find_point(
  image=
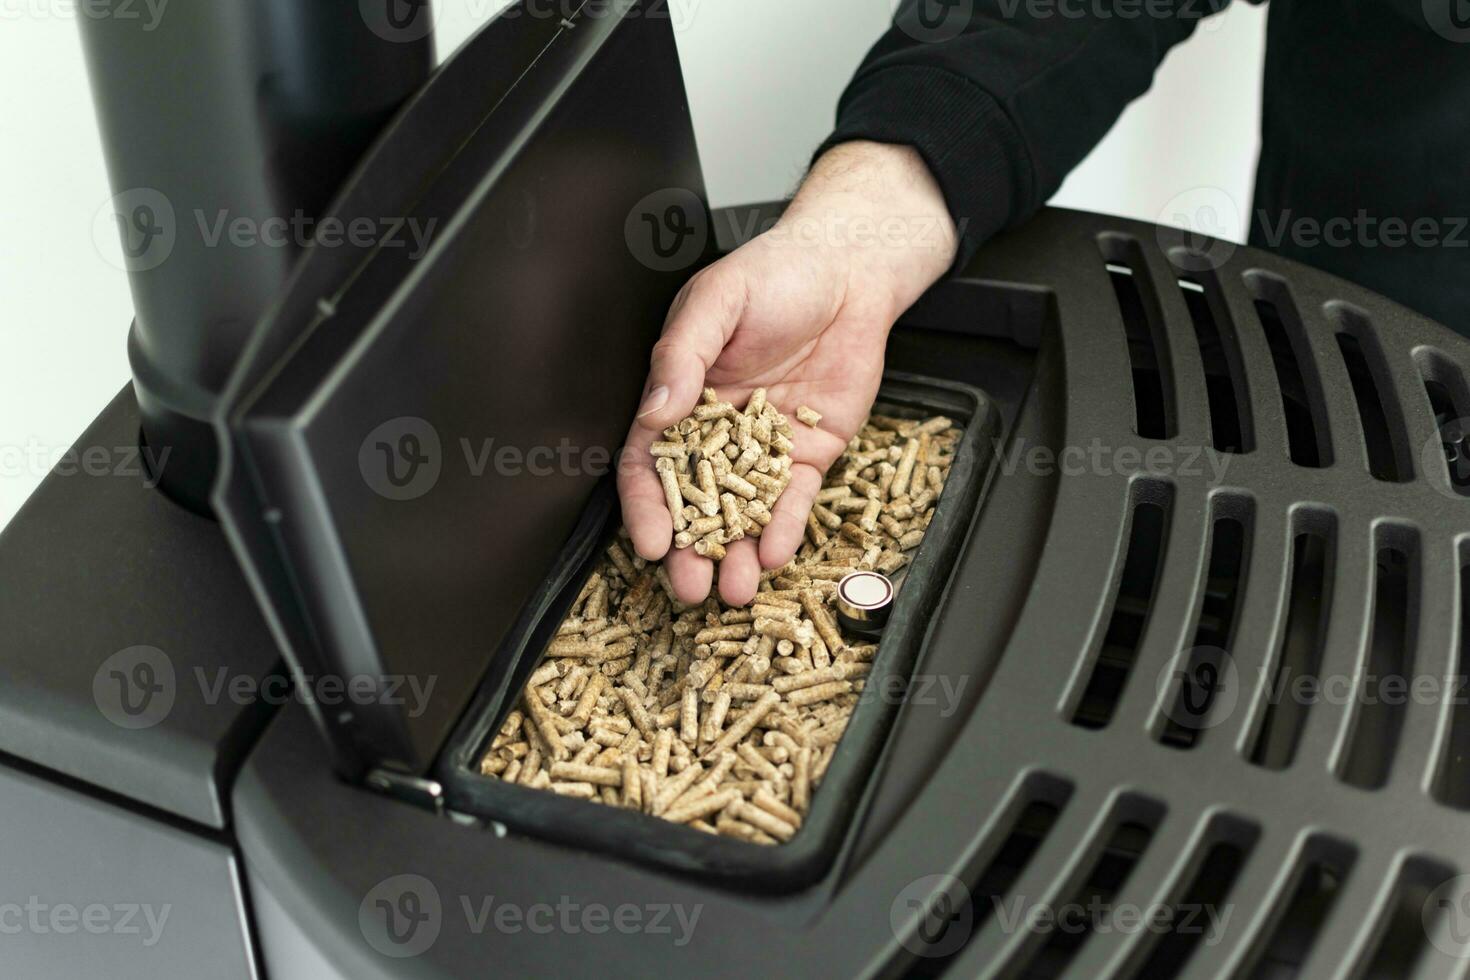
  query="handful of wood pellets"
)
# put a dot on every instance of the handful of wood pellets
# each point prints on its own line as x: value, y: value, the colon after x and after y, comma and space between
x: 723, y: 470
x: 725, y: 719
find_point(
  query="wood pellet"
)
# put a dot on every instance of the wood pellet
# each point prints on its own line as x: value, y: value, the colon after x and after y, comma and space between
x: 725, y: 719
x: 723, y: 469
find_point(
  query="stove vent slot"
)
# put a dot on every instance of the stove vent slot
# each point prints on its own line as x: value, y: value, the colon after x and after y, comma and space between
x: 1452, y: 782
x: 1325, y: 865
x: 1383, y: 423
x: 1299, y: 660
x: 1207, y: 663
x: 1405, y: 943
x: 1042, y: 800
x: 1147, y: 532
x: 1205, y: 901
x: 1148, y: 344
x: 1230, y: 428
x: 1381, y: 702
x: 1302, y: 403
x: 1449, y: 400
x: 1137, y: 818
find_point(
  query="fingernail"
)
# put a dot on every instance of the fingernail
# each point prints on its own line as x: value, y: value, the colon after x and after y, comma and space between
x: 655, y: 400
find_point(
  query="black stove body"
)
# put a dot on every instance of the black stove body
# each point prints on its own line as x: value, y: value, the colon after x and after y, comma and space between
x: 1211, y: 474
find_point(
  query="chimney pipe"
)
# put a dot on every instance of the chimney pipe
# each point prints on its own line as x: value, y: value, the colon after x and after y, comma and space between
x: 227, y: 127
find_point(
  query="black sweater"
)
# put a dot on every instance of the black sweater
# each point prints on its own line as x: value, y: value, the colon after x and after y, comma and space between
x: 1365, y: 154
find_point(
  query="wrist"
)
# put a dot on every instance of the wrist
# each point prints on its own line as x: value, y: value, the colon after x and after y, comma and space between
x: 877, y: 209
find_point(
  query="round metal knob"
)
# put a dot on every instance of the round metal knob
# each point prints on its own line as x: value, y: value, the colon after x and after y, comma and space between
x: 864, y: 600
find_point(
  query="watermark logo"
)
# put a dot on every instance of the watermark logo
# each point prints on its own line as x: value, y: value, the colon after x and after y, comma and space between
x: 401, y: 916
x: 935, y: 21
x: 933, y: 916
x: 399, y: 21
x: 135, y: 688
x: 402, y: 458
x: 1201, y: 690
x: 1199, y: 228
x: 1450, y: 19
x: 143, y: 221
x: 1446, y: 917
x: 668, y: 230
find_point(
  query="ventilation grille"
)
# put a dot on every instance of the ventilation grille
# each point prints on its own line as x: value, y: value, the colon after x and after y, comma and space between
x: 1238, y: 682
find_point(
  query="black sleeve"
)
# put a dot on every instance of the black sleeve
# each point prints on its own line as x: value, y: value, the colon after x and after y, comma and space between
x: 1003, y: 98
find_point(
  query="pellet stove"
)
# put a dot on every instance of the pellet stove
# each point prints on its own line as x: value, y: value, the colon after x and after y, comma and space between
x: 1219, y: 521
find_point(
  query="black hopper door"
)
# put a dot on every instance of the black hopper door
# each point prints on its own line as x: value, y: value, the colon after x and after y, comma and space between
x: 417, y: 427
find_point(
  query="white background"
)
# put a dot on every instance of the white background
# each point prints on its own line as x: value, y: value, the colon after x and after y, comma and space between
x: 763, y: 76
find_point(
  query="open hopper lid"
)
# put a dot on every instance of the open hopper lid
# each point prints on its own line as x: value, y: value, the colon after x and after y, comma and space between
x: 418, y: 424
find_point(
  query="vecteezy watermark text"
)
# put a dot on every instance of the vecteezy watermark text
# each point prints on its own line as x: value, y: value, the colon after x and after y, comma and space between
x: 145, y: 224
x: 410, y: 21
x: 934, y: 916
x: 1200, y: 227
x: 35, y: 458
x: 1099, y: 458
x: 941, y: 692
x: 408, y: 691
x: 1204, y: 687
x: 301, y: 230
x: 1209, y: 921
x: 1362, y: 230
x: 569, y: 917
x: 147, y: 13
x: 403, y: 458
x: 39, y: 918
x: 1104, y: 10
x: 403, y: 916
x: 137, y: 688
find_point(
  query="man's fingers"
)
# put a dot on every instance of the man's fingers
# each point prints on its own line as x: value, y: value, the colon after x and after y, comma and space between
x: 816, y: 447
x: 689, y: 574
x: 645, y: 511
x: 700, y: 324
x: 783, y: 535
x: 740, y: 572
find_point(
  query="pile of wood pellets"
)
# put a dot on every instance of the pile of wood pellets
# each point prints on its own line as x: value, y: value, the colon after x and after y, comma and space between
x: 723, y: 470
x: 725, y: 719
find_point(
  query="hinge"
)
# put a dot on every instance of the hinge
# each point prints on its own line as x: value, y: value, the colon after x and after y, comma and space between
x: 425, y: 793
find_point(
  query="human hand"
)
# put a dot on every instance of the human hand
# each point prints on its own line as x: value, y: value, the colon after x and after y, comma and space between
x: 804, y: 311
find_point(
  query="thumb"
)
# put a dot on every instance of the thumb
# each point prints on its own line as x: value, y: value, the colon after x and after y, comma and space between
x: 701, y: 323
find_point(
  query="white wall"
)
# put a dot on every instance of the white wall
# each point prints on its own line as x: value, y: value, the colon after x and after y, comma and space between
x: 763, y: 77
x: 1192, y: 141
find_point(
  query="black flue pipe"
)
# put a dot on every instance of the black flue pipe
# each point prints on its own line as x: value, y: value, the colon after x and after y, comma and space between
x: 227, y: 127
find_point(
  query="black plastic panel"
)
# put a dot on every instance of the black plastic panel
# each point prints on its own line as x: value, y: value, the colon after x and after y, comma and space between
x: 989, y: 796
x: 125, y: 626
x: 95, y: 890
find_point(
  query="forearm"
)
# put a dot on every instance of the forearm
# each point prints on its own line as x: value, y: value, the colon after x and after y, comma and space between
x: 1003, y: 104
